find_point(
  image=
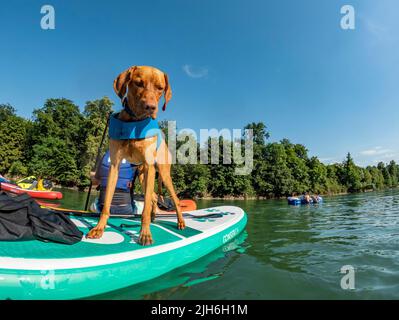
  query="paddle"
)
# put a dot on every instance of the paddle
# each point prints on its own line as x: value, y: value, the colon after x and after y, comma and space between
x: 81, y: 213
x: 98, y: 159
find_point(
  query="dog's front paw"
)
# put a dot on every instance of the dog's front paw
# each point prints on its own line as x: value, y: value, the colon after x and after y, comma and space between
x: 96, y: 233
x: 181, y: 224
x: 145, y: 237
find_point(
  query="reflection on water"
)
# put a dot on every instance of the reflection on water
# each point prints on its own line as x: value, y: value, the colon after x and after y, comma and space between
x: 291, y: 253
x: 205, y: 269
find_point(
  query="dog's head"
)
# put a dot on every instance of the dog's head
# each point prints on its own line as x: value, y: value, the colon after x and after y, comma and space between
x: 141, y: 88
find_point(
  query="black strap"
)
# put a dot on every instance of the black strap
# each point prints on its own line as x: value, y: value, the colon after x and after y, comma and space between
x: 127, y: 109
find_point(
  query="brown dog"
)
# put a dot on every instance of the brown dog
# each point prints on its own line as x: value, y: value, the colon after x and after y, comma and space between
x: 140, y: 87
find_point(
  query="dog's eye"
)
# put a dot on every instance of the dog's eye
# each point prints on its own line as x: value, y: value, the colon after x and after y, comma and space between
x: 160, y: 88
x: 139, y: 83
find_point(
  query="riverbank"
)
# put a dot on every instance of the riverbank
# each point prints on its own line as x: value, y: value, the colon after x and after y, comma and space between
x: 285, y: 197
x: 253, y: 198
x: 242, y: 198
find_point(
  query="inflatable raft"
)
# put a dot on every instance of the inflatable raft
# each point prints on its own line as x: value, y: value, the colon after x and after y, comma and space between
x: 53, y: 195
x: 39, y: 270
x: 296, y: 201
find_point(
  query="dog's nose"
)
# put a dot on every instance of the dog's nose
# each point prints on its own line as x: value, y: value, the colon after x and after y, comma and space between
x: 150, y: 107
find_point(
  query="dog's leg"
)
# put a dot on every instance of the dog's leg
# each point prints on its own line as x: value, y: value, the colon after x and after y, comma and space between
x: 164, y: 172
x: 160, y: 192
x: 154, y: 209
x: 98, y: 230
x: 149, y: 180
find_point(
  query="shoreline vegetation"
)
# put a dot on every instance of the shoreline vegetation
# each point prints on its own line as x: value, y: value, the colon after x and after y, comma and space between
x: 60, y: 143
x: 251, y: 198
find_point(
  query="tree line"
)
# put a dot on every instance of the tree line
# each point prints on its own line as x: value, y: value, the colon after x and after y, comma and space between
x: 60, y: 143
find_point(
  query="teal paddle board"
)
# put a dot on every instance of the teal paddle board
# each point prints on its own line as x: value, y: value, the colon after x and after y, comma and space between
x: 40, y: 270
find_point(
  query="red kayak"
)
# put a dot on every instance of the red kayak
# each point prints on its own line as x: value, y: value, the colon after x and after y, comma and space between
x: 53, y: 195
x: 48, y: 204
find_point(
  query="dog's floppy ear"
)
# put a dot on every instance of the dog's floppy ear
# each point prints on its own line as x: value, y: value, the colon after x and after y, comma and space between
x: 167, y: 92
x: 121, y: 82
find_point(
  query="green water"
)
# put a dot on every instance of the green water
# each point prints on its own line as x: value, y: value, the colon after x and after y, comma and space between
x: 291, y: 253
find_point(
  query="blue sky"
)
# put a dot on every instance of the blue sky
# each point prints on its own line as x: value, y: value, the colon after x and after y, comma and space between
x: 284, y: 62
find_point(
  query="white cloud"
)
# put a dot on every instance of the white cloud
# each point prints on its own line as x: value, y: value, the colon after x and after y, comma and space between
x: 367, y: 157
x: 328, y: 160
x: 195, y: 72
x: 378, y: 154
x: 375, y: 28
x: 376, y: 151
x: 378, y: 31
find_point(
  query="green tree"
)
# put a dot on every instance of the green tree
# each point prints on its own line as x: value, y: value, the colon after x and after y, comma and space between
x: 385, y: 173
x: 351, y: 175
x: 296, y: 162
x: 51, y: 160
x: 6, y: 111
x: 57, y: 136
x: 334, y: 174
x: 393, y: 171
x: 260, y: 134
x: 225, y: 181
x: 18, y: 169
x: 61, y: 143
x: 12, y: 138
x: 59, y: 118
x: 178, y: 176
x: 318, y: 175
x: 197, y: 179
x: 261, y: 185
x: 366, y: 179
x: 376, y: 177
x: 95, y: 114
x: 277, y: 172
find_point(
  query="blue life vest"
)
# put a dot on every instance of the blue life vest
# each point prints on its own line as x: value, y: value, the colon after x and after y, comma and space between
x: 120, y: 130
x: 126, y: 173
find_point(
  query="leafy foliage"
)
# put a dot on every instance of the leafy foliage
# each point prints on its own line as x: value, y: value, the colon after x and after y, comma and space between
x: 61, y: 143
x: 13, y: 133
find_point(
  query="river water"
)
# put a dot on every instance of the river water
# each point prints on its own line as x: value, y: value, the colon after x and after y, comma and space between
x: 290, y: 253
